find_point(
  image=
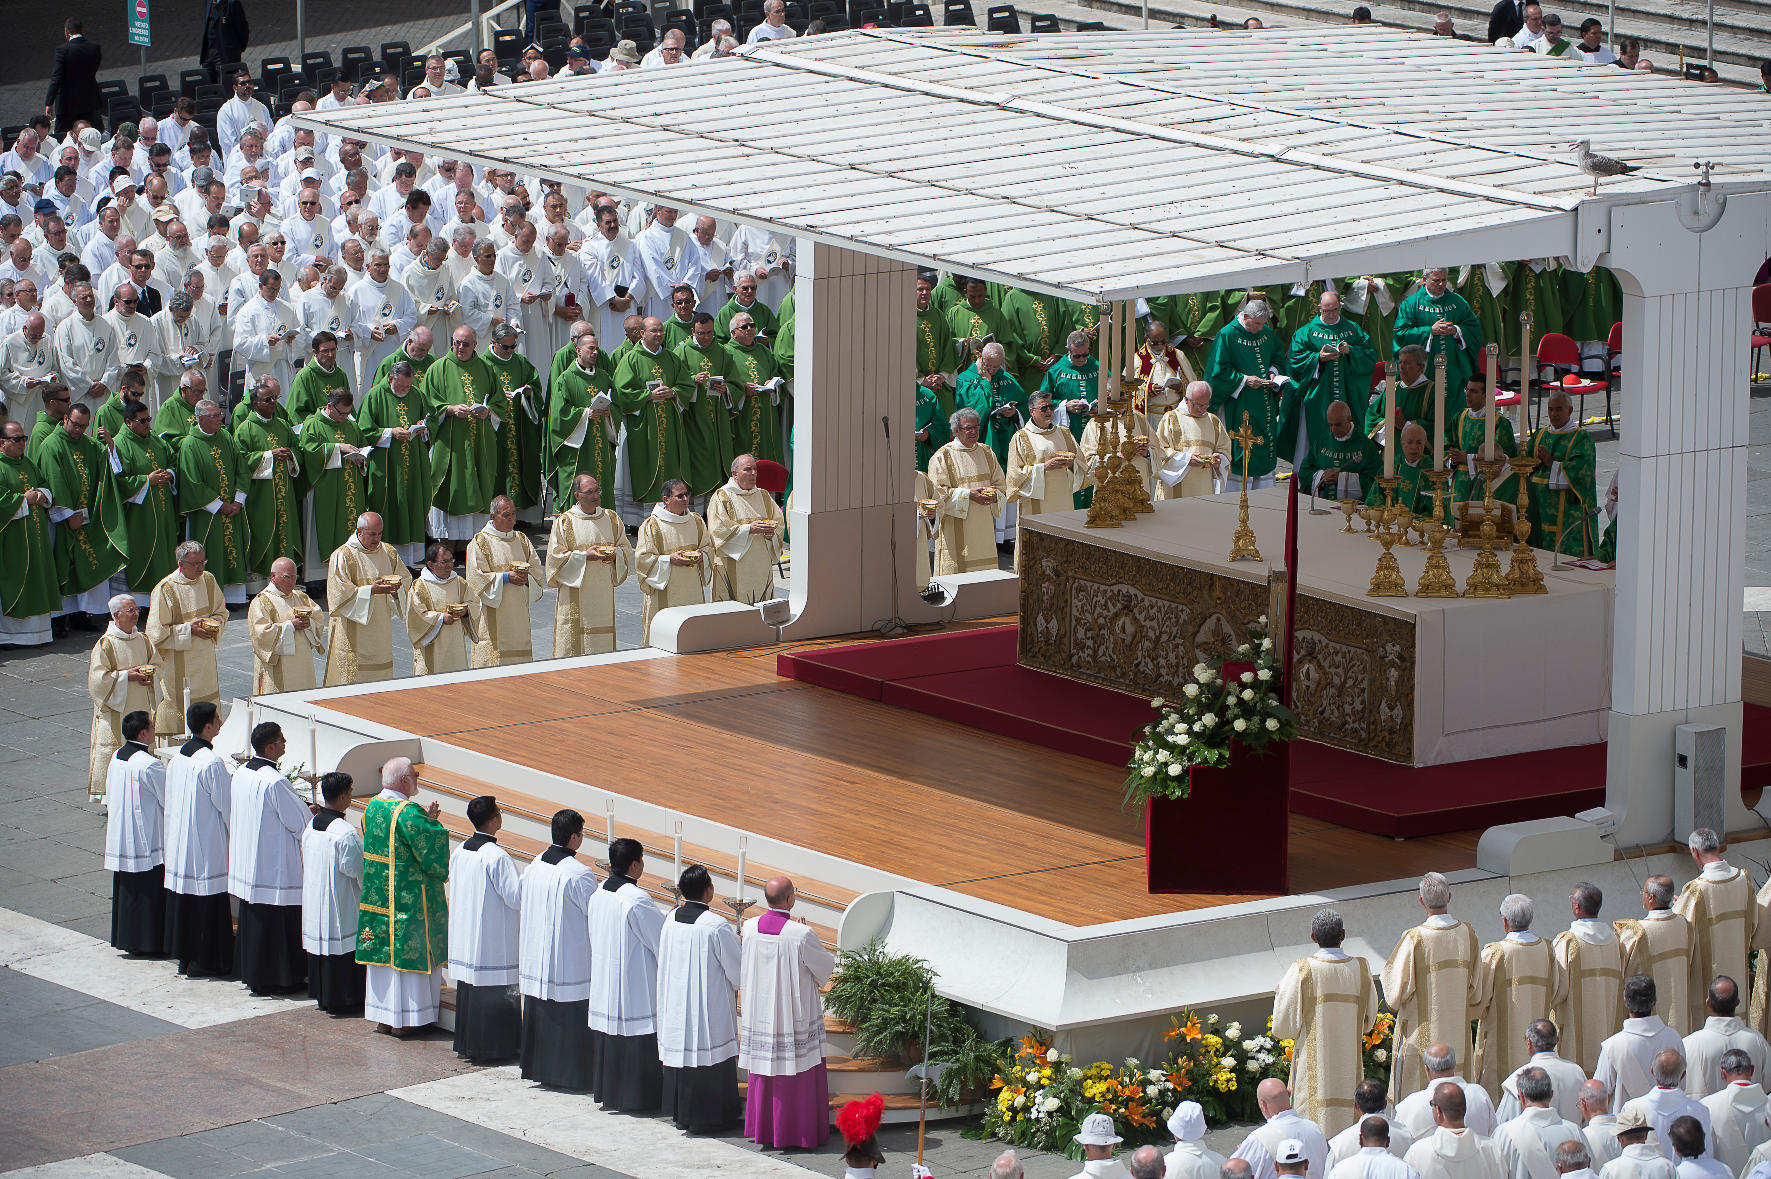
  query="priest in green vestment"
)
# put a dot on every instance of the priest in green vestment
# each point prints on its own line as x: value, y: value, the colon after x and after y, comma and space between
x: 516, y: 400
x: 333, y: 461
x: 1247, y: 374
x: 936, y: 365
x: 274, y: 486
x: 1414, y: 490
x: 679, y: 325
x: 1438, y: 319
x: 1039, y: 325
x: 310, y: 387
x: 756, y: 399
x: 1483, y: 288
x: 212, y: 477
x: 403, y: 922
x: 1564, y: 504
x: 1468, y: 430
x: 652, y: 386
x: 998, y: 398
x: 948, y: 293
x: 707, y: 419
x: 1072, y: 381
x: 418, y: 350
x: 177, y: 416
x: 1193, y: 320
x: 932, y: 431
x: 1591, y: 303
x: 56, y: 403
x: 568, y: 353
x: 132, y: 386
x: 976, y: 321
x: 582, y: 423
x: 1331, y: 360
x: 1414, y: 394
x: 30, y: 588
x: 782, y: 346
x: 745, y: 302
x: 393, y: 420
x: 74, y: 465
x: 138, y: 508
x: 464, y: 460
x: 1343, y: 463
x: 1534, y: 285
x: 1086, y: 318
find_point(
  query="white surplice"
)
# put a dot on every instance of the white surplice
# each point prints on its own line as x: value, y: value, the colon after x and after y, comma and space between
x: 1372, y: 1162
x: 1416, y: 1110
x: 136, y: 786
x: 1740, y: 1123
x: 698, y: 966
x: 554, y: 955
x: 485, y: 899
x: 1704, y: 1048
x: 1626, y: 1059
x: 1456, y: 1154
x: 1261, y: 1146
x: 624, y: 927
x: 1345, y: 1145
x: 783, y: 1023
x: 1528, y: 1142
x: 198, y: 789
x: 1663, y: 1107
x: 265, y: 823
x: 331, y: 884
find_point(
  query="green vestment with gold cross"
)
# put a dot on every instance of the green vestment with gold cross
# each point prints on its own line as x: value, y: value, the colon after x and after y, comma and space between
x: 403, y: 921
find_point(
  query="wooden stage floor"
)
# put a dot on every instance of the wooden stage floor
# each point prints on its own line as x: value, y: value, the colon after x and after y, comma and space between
x: 720, y: 736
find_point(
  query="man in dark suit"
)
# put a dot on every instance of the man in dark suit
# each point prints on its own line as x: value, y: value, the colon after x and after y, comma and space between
x: 73, y: 84
x: 225, y: 35
x: 1506, y: 20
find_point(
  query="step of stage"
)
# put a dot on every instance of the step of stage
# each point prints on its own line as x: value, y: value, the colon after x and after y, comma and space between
x: 526, y: 835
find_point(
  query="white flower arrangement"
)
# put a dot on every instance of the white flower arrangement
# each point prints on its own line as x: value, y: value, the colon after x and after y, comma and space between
x: 1211, y: 713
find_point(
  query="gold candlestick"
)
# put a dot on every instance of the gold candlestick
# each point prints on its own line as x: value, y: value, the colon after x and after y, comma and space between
x: 1242, y: 542
x: 1486, y: 579
x: 1106, y: 510
x: 1386, y: 579
x: 1523, y: 576
x: 1436, y: 580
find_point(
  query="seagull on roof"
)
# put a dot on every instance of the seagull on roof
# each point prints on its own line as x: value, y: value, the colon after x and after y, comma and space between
x: 1597, y: 165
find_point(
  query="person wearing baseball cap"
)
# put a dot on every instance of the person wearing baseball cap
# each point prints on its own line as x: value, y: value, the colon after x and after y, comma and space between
x: 1191, y: 1158
x: 1097, y: 1139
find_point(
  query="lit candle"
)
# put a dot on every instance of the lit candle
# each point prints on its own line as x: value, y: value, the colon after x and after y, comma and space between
x: 677, y: 848
x: 313, y: 760
x: 187, y: 709
x: 1390, y: 431
x: 608, y: 820
x: 743, y: 855
x: 1488, y: 451
x: 1439, y: 412
x: 1109, y: 325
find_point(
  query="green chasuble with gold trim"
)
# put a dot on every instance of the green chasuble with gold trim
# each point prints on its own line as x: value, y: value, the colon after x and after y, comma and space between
x: 934, y: 352
x: 1239, y: 353
x: 1039, y: 323
x: 756, y: 420
x: 75, y: 471
x: 1476, y: 286
x: 464, y: 462
x: 1320, y: 382
x: 591, y: 452
x: 308, y: 391
x: 30, y: 584
x: 398, y: 479
x: 273, y: 492
x: 767, y: 324
x: 419, y: 367
x: 174, y: 419
x: 403, y: 920
x: 1563, y: 517
x: 141, y: 520
x: 40, y: 430
x: 989, y: 396
x: 1413, y: 490
x: 707, y: 418
x: 1355, y: 455
x: 1468, y: 430
x: 211, y: 471
x: 654, y: 428
x: 340, y: 495
x: 1591, y: 302
x: 519, y: 439
x: 968, y: 322
x: 1414, y: 325
x: 929, y: 417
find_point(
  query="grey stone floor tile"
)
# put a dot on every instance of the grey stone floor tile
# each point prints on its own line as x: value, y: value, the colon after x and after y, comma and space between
x: 46, y: 859
x: 343, y: 1165
x: 262, y: 1144
x: 431, y: 1156
x: 47, y: 901
x: 183, y: 1158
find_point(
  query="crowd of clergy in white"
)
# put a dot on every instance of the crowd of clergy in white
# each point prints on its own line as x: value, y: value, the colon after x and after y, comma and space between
x: 592, y: 984
x: 1628, y: 1049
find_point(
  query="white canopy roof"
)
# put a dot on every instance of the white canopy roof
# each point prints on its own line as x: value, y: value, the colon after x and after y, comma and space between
x: 1112, y: 165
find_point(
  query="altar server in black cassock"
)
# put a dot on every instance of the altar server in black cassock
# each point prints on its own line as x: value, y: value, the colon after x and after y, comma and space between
x: 264, y: 868
x: 135, y: 782
x: 331, y: 891
x: 485, y: 901
x: 553, y: 967
x: 698, y: 967
x: 199, y: 916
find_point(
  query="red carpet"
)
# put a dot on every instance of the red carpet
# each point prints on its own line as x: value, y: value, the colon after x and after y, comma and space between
x: 971, y: 677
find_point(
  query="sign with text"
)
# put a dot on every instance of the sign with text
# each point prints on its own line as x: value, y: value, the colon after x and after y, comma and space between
x: 138, y: 22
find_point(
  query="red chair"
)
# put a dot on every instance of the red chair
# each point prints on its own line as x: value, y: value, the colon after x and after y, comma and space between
x: 1562, y: 356
x: 1761, y: 338
x: 1377, y: 376
x: 771, y: 476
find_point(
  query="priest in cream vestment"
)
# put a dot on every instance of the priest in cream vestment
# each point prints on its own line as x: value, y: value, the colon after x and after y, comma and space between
x: 504, y: 577
x: 1428, y: 983
x: 1513, y: 986
x: 1719, y: 906
x: 366, y: 584
x: 1043, y: 474
x: 1196, y: 445
x: 969, y: 487
x: 1147, y: 458
x: 287, y: 629
x: 674, y: 555
x: 119, y: 682
x: 1326, y: 1003
x: 186, y: 615
x: 1588, y: 1005
x: 587, y: 557
x: 1658, y: 944
x: 439, y: 619
x: 747, y: 529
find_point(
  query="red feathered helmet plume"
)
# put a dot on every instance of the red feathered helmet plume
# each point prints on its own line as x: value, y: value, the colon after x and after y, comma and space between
x: 858, y: 1120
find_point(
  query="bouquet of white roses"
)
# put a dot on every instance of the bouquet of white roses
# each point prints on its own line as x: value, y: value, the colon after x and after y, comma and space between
x: 1212, y: 712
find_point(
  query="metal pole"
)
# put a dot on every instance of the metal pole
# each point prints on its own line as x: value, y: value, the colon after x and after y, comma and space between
x: 1711, y: 58
x: 300, y: 29
x: 1147, y: 13
x: 473, y: 36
